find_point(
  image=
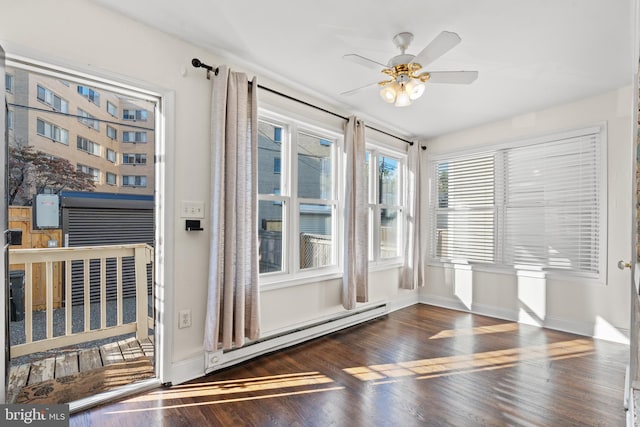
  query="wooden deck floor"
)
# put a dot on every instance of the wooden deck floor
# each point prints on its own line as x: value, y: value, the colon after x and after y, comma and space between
x: 76, y: 361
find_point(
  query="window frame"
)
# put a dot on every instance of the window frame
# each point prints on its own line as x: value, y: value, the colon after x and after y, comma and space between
x: 376, y: 150
x: 53, y: 127
x: 92, y: 148
x: 89, y: 93
x: 64, y: 104
x: 497, y: 150
x: 135, y: 178
x: 9, y: 82
x: 126, y: 137
x: 291, y: 273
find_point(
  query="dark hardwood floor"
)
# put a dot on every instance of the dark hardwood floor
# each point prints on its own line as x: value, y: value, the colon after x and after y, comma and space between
x: 420, y: 366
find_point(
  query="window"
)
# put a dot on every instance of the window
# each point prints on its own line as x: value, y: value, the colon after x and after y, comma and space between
x: 8, y: 83
x: 90, y: 94
x: 112, y: 109
x: 112, y: 156
x: 134, y: 181
x: 112, y: 132
x: 533, y: 205
x: 134, y: 115
x: 135, y: 137
x: 297, y: 200
x: 10, y: 119
x: 88, y: 119
x: 88, y: 146
x: 111, y: 178
x: 90, y: 171
x: 385, y: 205
x: 51, y: 99
x: 52, y: 132
x: 134, y: 159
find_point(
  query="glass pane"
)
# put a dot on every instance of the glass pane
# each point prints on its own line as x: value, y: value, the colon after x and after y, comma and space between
x: 389, y: 245
x: 316, y: 240
x: 314, y: 167
x: 269, y: 155
x: 270, y: 235
x: 388, y: 181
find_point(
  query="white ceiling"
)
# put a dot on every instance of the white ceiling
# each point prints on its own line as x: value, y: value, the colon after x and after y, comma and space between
x: 530, y: 54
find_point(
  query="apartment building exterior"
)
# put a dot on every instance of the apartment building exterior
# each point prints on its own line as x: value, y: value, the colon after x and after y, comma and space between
x: 102, y: 133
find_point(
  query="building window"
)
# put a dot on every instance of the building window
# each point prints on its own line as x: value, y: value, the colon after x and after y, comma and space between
x: 52, y: 132
x: 88, y: 119
x: 535, y: 205
x: 134, y: 159
x: 134, y: 181
x: 95, y: 173
x: 90, y: 94
x: 88, y: 146
x: 10, y: 119
x: 112, y: 132
x: 8, y: 83
x: 112, y: 156
x: 52, y: 100
x: 134, y: 115
x: 111, y: 178
x: 386, y: 211
x: 297, y: 200
x: 134, y: 137
x: 112, y: 109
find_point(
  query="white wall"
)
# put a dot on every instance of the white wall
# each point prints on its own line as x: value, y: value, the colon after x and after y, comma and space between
x: 81, y: 36
x: 572, y: 305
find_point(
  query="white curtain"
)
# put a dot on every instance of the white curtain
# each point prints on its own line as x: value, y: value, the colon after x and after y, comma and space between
x: 413, y: 269
x: 356, y: 228
x: 233, y: 298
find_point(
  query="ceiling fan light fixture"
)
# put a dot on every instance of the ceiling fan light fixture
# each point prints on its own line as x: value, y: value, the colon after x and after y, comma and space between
x: 402, y: 98
x: 415, y: 89
x: 389, y: 91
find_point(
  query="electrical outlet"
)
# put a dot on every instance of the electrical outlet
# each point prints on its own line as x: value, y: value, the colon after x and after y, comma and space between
x: 184, y: 319
x: 192, y: 209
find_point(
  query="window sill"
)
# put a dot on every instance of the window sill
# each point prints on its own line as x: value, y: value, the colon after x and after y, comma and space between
x: 279, y: 282
x: 530, y: 272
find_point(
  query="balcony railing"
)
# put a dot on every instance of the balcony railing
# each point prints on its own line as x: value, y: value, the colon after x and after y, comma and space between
x: 87, y: 257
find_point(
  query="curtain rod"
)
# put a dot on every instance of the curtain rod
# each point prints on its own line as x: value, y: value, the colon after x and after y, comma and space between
x: 199, y: 64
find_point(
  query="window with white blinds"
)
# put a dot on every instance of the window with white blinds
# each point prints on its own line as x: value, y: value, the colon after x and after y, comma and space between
x: 552, y: 204
x: 533, y: 204
x: 465, y: 212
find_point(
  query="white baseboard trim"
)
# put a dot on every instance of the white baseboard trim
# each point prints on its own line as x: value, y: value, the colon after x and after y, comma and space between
x: 186, y: 370
x: 403, y: 302
x: 589, y: 329
x: 218, y: 360
x: 199, y: 365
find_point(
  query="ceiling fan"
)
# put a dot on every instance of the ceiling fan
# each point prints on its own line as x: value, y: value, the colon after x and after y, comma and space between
x: 406, y: 77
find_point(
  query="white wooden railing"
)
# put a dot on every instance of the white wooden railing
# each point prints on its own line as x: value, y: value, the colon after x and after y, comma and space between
x: 142, y: 255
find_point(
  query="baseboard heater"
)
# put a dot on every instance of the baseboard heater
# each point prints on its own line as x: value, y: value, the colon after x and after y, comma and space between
x: 222, y: 359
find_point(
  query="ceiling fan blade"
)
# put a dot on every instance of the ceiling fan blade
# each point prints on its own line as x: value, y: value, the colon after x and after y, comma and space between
x: 366, y: 62
x: 358, y: 89
x: 455, y: 77
x: 444, y: 42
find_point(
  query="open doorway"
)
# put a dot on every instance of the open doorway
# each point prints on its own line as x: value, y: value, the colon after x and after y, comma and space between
x: 81, y: 191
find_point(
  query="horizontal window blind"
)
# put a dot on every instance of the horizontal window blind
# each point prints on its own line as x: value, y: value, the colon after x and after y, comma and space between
x: 552, y: 204
x: 465, y: 212
x: 532, y: 205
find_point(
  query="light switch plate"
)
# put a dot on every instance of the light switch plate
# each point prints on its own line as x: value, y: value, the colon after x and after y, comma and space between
x: 192, y: 209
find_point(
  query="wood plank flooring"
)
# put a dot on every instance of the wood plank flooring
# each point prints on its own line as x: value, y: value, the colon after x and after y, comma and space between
x: 420, y: 366
x: 72, y: 362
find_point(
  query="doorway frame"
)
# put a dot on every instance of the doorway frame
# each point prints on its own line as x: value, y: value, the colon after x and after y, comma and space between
x: 163, y: 199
